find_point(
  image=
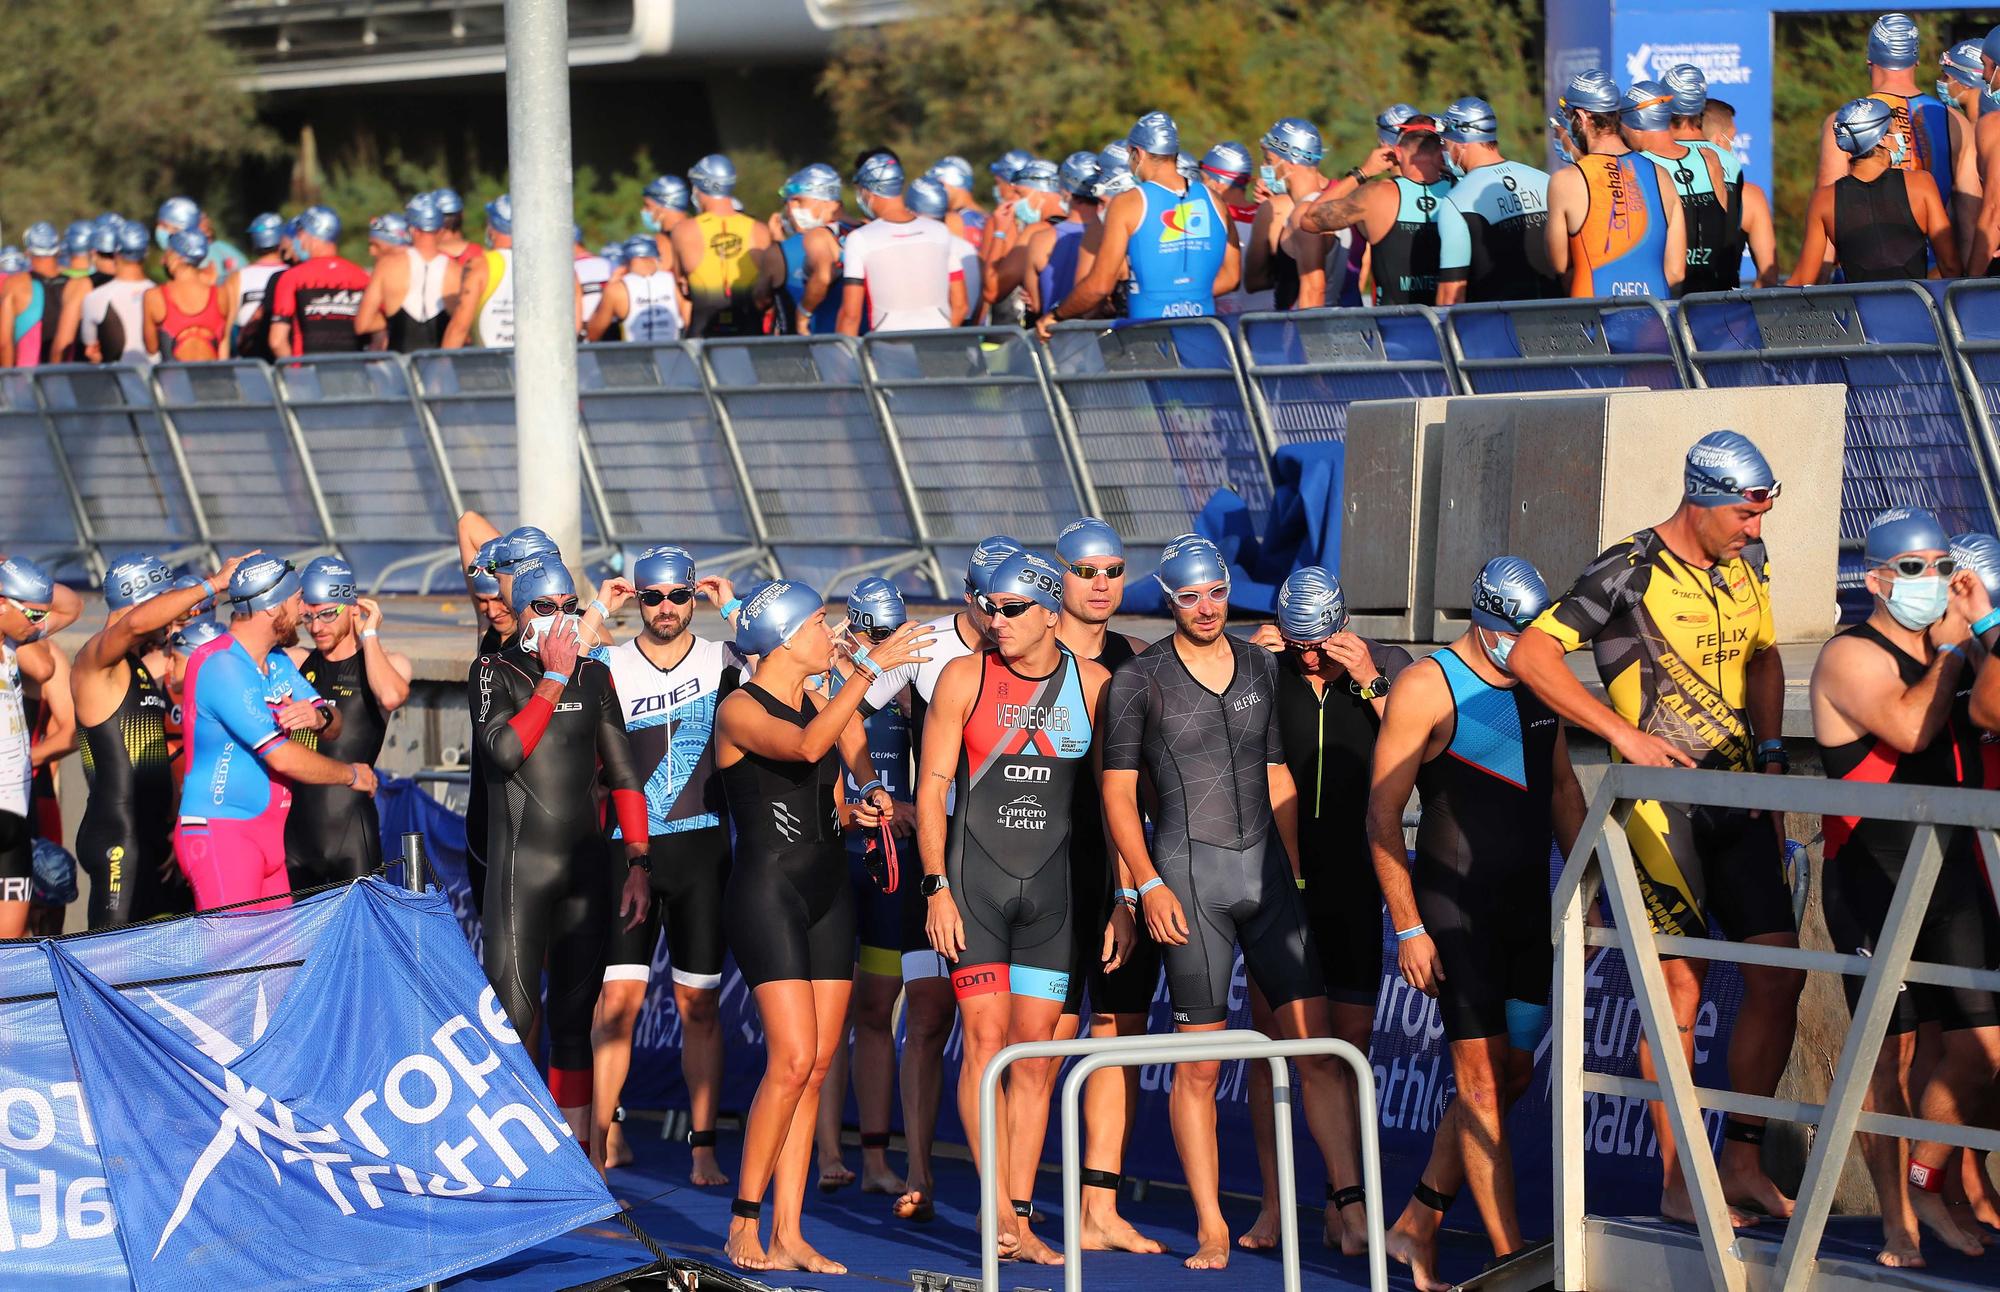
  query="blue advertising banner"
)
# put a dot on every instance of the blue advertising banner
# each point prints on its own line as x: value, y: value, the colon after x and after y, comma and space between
x: 327, y: 1096
x: 1731, y: 46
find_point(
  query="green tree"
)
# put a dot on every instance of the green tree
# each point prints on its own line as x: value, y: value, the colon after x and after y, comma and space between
x: 115, y: 106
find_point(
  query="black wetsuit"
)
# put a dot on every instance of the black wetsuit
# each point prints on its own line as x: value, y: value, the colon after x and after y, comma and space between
x: 1093, y: 885
x: 1876, y: 236
x: 1864, y: 861
x: 490, y: 643
x: 1330, y: 747
x: 1208, y: 756
x: 333, y: 832
x: 1482, y: 862
x: 547, y: 899
x: 789, y: 910
x: 126, y: 835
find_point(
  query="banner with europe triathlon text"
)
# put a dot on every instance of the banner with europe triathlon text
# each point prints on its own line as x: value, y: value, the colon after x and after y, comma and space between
x: 1408, y: 1053
x: 327, y: 1096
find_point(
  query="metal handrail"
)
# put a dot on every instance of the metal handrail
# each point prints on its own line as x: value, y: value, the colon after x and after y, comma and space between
x: 1603, y: 852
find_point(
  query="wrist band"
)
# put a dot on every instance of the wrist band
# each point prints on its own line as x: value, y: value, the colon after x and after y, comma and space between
x: 730, y: 607
x: 1128, y: 894
x: 869, y: 788
x: 863, y: 660
x: 1414, y: 931
x: 353, y: 775
x: 1950, y: 648
x: 560, y: 679
x: 602, y: 611
x: 1990, y: 619
x: 1150, y: 885
x: 367, y: 633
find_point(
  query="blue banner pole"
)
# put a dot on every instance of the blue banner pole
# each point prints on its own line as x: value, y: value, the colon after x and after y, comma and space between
x: 413, y: 879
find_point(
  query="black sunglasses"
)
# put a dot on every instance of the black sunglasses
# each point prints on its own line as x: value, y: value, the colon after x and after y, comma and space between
x: 653, y: 596
x: 1006, y: 609
x: 550, y: 606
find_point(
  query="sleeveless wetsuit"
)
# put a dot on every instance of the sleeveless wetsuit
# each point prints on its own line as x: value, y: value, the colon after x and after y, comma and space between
x: 419, y: 322
x: 1008, y: 854
x: 1482, y: 859
x: 1213, y: 838
x: 333, y: 833
x: 724, y: 283
x: 790, y: 911
x: 1175, y: 253
x: 126, y: 834
x: 1407, y: 257
x: 496, y: 300
x: 1864, y: 861
x: 490, y: 643
x: 1703, y: 217
x: 1504, y: 211
x: 1923, y: 124
x: 17, y: 849
x: 205, y: 324
x: 1876, y: 237
x: 827, y: 316
x: 1621, y: 248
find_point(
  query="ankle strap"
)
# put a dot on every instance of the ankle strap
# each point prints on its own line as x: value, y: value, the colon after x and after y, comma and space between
x: 1347, y: 1197
x: 1023, y: 1208
x: 701, y: 1139
x: 1100, y: 1179
x: 746, y: 1209
x: 1431, y: 1198
x: 1742, y: 1132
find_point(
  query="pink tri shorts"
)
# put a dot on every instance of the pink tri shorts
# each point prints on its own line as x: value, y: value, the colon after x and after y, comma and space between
x: 237, y: 861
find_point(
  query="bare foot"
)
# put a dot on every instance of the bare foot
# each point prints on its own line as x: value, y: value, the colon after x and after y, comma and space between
x: 1899, y: 1248
x: 617, y: 1152
x: 743, y: 1249
x: 1420, y: 1254
x: 1030, y: 1248
x: 1104, y: 1230
x: 1676, y: 1206
x: 1261, y: 1236
x: 834, y: 1175
x: 916, y: 1205
x: 1969, y: 1223
x: 792, y: 1252
x: 1752, y: 1188
x: 1935, y: 1216
x: 707, y: 1172
x: 1212, y: 1252
x: 1353, y: 1230
x: 883, y: 1181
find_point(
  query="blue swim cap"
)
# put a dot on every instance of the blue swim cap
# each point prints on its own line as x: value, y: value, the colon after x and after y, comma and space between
x: 818, y: 180
x: 318, y: 222
x: 26, y: 580
x: 614, y: 252
x: 423, y: 214
x: 392, y: 229
x: 1979, y: 553
x: 881, y: 175
x: 1507, y: 595
x: 178, y: 213
x: 1962, y: 63
x: 327, y: 581
x: 1040, y: 174
x: 13, y: 260
x: 665, y: 565
x: 41, y: 239
x: 522, y: 543
x: 668, y: 190
x: 1990, y: 47
x: 266, y: 231
x: 76, y: 238
x: 1591, y: 90
x: 1310, y: 605
x: 875, y: 604
x: 1085, y: 537
x: 1190, y: 561
x: 260, y: 583
x: 1646, y: 105
x: 1155, y: 133
x: 1471, y: 120
x: 639, y: 244
x: 927, y: 197
x: 484, y: 582
x: 1031, y: 575
x: 1187, y: 168
x: 1860, y: 124
x: 1892, y: 42
x: 1295, y: 139
x: 183, y: 582
x: 543, y: 575
x: 449, y: 202
x: 1010, y: 161
x: 952, y: 172
x: 986, y: 559
x: 104, y: 235
x: 500, y: 214
x: 135, y: 578
x: 197, y: 633
x: 1720, y: 466
x: 1113, y: 177
x: 190, y: 245
x: 1228, y: 160
x: 1904, y: 529
x: 714, y: 175
x: 1689, y: 87
x: 132, y: 242
x: 1389, y: 125
x: 772, y: 613
x: 1079, y: 174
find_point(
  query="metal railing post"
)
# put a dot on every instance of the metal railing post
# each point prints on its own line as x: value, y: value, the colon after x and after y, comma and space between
x: 416, y: 874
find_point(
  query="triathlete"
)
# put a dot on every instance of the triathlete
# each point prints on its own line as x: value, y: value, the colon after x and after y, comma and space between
x: 451, y: 235
x: 789, y: 912
x: 1198, y: 712
x: 1694, y: 688
x: 102, y: 260
x: 1174, y: 238
x: 1923, y: 134
x: 484, y: 315
x: 187, y: 317
x: 592, y: 271
x: 1700, y: 182
x: 411, y: 294
x: 119, y: 681
x: 481, y: 548
x: 926, y: 197
x: 1471, y: 911
x: 333, y: 833
x: 964, y: 217
x: 1887, y: 708
x: 645, y: 303
x: 1611, y: 230
x: 1961, y: 86
x: 812, y: 252
x: 31, y: 302
x: 1092, y: 557
x: 1878, y: 223
x: 669, y: 682
x: 244, y: 696
x: 1408, y: 253
x: 1039, y: 206
x: 1747, y: 224
x: 1718, y: 126
x: 898, y: 271
x: 313, y: 303
x: 546, y: 720
x: 1002, y: 235
x: 113, y: 324
x: 1503, y: 208
x: 1112, y: 179
x: 1054, y: 260
x: 251, y: 334
x: 663, y: 207
x: 722, y: 255
x: 1333, y: 685
x: 33, y: 606
x: 1224, y: 171
x: 1297, y: 268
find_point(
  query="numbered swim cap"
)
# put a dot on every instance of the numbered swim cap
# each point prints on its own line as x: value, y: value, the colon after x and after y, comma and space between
x: 1471, y: 120
x: 1979, y: 553
x: 1892, y: 42
x: 1295, y: 139
x: 260, y: 583
x: 669, y: 190
x: 1507, y: 595
x: 1155, y: 133
x: 328, y: 581
x: 1310, y: 605
x: 773, y: 613
x: 319, y: 222
x: 1190, y: 561
x: 390, y: 228
x: 986, y: 559
x: 483, y: 580
x: 1113, y: 177
x: 714, y: 175
x: 1904, y: 529
x: 875, y: 604
x: 1088, y: 537
x: 540, y: 576
x: 522, y: 543
x: 1031, y: 575
x: 1228, y: 161
x: 1591, y: 90
x: 135, y: 578
x: 1725, y: 468
x: 881, y: 175
x: 26, y: 580
x: 666, y: 565
x: 1859, y: 125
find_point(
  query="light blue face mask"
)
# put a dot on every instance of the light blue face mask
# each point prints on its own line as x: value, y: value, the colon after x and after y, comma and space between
x: 160, y: 235
x: 1920, y: 602
x: 1025, y: 212
x: 651, y: 221
x: 1502, y: 647
x: 1269, y: 174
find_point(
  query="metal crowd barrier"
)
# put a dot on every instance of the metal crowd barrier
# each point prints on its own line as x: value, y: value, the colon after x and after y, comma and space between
x: 1597, y: 1252
x: 1511, y: 347
x: 46, y: 516
x: 1303, y: 368
x: 130, y: 486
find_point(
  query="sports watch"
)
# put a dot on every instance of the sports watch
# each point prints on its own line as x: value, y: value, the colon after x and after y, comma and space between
x: 932, y: 885
x: 1375, y: 690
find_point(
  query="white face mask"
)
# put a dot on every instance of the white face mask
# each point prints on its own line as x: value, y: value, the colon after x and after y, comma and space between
x: 534, y: 628
x: 803, y: 219
x: 1502, y: 647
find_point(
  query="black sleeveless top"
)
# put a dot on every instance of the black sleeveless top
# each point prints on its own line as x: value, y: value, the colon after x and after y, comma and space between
x: 344, y: 685
x: 125, y: 759
x: 1875, y: 236
x: 777, y: 805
